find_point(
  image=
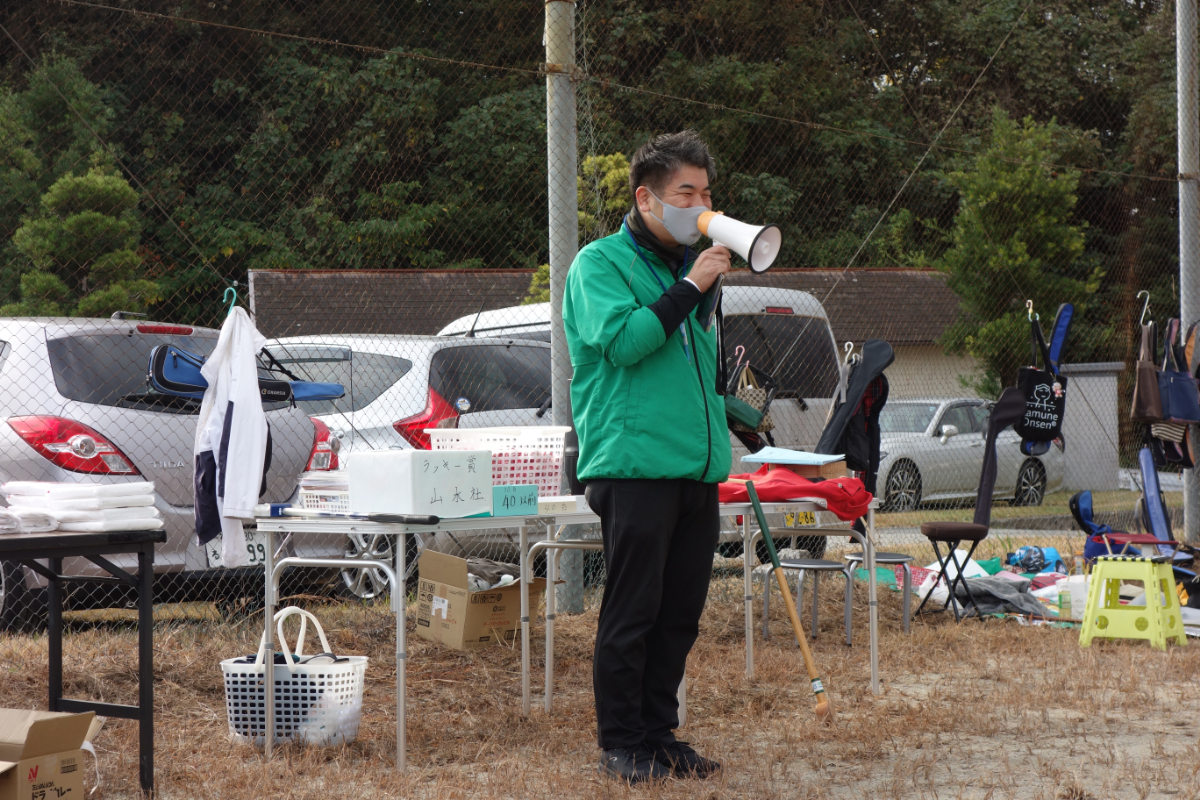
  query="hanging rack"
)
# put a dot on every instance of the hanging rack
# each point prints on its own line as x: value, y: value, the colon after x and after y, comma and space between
x: 1145, y: 306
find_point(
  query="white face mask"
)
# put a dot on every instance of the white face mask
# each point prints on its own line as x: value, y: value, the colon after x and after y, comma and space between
x: 680, y: 222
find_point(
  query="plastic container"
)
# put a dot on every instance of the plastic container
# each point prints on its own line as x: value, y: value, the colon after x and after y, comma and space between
x: 1077, y: 587
x: 318, y: 704
x: 336, y: 502
x: 520, y: 455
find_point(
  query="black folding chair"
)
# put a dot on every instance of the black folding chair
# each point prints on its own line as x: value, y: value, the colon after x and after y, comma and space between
x: 954, y: 534
x: 1007, y: 410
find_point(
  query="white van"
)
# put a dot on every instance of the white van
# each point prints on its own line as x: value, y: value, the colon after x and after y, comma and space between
x: 785, y: 333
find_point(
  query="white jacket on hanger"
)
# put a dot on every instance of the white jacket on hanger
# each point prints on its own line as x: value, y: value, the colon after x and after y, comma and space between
x: 233, y: 428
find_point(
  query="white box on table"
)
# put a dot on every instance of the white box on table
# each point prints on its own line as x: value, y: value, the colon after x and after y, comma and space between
x: 448, y: 483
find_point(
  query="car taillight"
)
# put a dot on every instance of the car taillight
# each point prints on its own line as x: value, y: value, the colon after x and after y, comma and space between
x: 413, y: 428
x: 325, y: 448
x: 72, y: 445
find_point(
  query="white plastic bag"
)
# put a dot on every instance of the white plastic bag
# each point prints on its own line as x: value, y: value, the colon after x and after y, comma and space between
x: 76, y: 491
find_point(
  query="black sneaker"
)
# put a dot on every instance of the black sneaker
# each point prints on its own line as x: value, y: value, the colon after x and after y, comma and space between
x: 633, y: 764
x: 683, y: 761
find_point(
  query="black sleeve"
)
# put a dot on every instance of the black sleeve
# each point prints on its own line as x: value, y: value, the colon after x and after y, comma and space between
x: 675, y: 304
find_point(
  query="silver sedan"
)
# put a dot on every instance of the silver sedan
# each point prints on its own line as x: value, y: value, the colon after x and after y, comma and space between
x: 933, y: 450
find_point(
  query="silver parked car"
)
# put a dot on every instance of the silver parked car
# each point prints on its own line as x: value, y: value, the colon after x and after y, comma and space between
x: 397, y: 386
x: 75, y: 406
x: 933, y: 450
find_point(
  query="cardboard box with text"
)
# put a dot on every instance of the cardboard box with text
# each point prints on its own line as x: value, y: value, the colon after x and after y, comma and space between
x: 40, y: 754
x: 448, y: 612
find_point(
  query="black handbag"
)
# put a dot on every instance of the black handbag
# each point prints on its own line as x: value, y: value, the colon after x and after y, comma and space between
x: 1177, y: 388
x: 1045, y: 394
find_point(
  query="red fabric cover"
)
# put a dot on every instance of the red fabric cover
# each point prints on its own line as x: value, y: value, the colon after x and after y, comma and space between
x: 1132, y: 538
x: 847, y: 497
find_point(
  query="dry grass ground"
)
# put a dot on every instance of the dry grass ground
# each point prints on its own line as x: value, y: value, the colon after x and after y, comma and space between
x: 981, y: 710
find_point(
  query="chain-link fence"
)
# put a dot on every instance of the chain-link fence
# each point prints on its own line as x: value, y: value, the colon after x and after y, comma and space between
x: 371, y: 178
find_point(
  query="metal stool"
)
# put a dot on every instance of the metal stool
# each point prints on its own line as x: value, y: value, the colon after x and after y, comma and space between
x: 816, y: 566
x: 890, y: 559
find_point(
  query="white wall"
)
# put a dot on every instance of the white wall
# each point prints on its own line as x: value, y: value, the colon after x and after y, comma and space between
x: 925, y: 371
x: 1090, y: 426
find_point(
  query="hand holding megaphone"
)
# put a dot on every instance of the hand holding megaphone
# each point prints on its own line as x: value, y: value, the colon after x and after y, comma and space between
x: 757, y: 244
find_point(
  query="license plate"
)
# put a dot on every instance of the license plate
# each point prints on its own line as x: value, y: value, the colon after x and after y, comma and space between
x: 794, y: 519
x: 256, y: 550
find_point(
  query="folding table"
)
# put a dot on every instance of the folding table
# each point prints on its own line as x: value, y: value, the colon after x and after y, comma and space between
x: 527, y: 527
x: 55, y: 546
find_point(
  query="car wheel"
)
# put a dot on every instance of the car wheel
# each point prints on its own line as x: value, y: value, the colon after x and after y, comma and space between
x: 367, y: 583
x: 1031, y: 484
x: 902, y: 491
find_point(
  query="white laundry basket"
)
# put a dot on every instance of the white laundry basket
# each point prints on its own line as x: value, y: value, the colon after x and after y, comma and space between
x: 520, y: 455
x: 316, y: 703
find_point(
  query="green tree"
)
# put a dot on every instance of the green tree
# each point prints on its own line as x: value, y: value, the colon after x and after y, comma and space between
x: 1013, y: 240
x: 85, y: 239
x: 604, y: 196
x: 539, y: 287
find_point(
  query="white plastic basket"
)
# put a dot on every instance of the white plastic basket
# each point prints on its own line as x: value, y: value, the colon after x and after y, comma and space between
x: 520, y: 455
x: 336, y: 502
x: 317, y: 704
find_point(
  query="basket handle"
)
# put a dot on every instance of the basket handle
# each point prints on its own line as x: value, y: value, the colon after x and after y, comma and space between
x: 305, y: 616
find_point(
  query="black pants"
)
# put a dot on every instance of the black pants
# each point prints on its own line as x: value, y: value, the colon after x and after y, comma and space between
x: 659, y: 538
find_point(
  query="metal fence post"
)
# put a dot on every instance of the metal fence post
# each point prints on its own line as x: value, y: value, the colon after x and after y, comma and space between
x: 562, y: 170
x: 1187, y: 108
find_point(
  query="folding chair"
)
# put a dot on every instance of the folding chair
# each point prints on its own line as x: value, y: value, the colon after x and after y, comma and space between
x: 1102, y: 538
x: 1007, y: 410
x: 1157, y: 521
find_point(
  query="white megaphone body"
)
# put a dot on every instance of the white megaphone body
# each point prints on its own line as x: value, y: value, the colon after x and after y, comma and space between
x: 758, y: 244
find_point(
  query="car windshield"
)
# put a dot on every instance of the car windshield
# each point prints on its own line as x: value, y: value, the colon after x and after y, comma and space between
x: 364, y: 376
x: 796, y: 351
x: 492, y: 377
x: 906, y: 417
x: 108, y: 368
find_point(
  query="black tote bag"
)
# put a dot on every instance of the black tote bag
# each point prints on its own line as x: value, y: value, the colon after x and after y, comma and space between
x: 1045, y: 394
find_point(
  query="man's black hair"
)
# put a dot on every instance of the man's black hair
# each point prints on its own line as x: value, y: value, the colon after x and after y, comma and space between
x: 658, y: 159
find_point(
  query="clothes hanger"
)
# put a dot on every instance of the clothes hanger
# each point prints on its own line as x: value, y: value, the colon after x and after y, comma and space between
x: 1145, y: 306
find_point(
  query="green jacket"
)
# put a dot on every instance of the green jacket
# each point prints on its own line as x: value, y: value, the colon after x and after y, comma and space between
x: 642, y: 407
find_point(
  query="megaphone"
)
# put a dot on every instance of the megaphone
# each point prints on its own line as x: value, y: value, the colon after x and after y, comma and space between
x: 758, y: 244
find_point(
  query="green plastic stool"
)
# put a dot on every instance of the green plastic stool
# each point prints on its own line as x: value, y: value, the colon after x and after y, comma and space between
x: 1107, y: 618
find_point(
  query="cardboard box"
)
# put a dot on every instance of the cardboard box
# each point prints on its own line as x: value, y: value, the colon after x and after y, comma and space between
x: 569, y: 504
x: 448, y: 483
x: 835, y: 469
x: 40, y: 754
x: 449, y: 613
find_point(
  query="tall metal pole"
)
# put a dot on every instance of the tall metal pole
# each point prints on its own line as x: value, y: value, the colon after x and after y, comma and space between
x: 562, y: 155
x: 1187, y: 105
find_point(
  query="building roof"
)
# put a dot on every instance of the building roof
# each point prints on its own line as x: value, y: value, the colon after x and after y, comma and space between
x: 899, y: 306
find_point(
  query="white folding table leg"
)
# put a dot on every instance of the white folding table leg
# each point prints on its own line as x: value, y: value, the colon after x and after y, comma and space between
x: 269, y: 649
x: 525, y: 569
x: 748, y: 578
x: 551, y: 577
x: 873, y: 599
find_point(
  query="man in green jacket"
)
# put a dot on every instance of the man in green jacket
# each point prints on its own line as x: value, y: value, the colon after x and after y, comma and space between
x: 653, y: 445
